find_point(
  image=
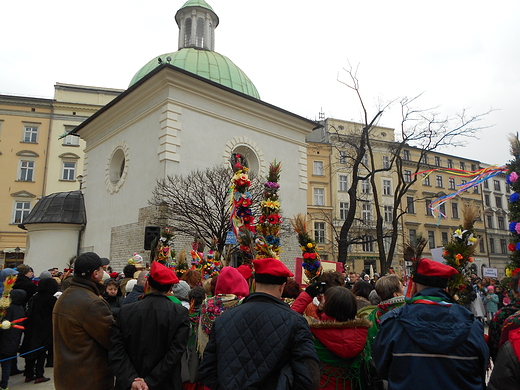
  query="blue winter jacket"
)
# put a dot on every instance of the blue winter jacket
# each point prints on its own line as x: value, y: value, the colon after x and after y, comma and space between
x: 433, y: 347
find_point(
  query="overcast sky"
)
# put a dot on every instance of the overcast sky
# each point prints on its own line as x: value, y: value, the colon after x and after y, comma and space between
x: 460, y: 54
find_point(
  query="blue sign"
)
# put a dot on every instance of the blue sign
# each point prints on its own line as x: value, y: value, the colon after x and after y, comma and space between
x: 231, y: 238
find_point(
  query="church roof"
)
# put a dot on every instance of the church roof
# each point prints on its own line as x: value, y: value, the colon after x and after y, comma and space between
x: 60, y: 207
x: 197, y: 3
x: 208, y: 64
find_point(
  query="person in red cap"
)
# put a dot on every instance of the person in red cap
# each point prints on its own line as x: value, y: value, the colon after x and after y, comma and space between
x: 262, y: 343
x: 149, y: 337
x: 431, y: 342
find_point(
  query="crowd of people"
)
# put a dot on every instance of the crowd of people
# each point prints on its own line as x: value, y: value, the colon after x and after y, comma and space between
x: 257, y: 328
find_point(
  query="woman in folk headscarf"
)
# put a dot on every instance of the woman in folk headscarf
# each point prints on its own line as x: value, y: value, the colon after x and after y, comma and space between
x: 231, y: 288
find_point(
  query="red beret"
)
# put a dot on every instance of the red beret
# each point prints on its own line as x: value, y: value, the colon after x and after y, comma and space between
x: 432, y: 273
x: 162, y: 274
x: 271, y: 267
x: 114, y: 274
x: 245, y: 271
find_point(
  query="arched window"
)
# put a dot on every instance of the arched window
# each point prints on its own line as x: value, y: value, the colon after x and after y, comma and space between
x: 187, y: 32
x: 200, y: 32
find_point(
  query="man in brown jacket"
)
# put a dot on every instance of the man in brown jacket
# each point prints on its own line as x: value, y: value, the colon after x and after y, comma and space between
x: 81, y: 324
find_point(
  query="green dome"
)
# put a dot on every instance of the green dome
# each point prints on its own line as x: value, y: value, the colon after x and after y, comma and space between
x: 208, y: 64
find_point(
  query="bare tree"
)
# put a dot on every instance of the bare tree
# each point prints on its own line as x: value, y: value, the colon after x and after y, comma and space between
x: 198, y: 203
x: 423, y: 129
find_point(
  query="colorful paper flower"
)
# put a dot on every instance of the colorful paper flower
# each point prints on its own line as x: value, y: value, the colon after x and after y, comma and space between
x: 511, y: 247
x: 512, y: 227
x: 514, y: 197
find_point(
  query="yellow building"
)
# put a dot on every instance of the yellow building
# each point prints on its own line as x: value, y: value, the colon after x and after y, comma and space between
x: 71, y: 106
x: 319, y: 198
x: 342, y: 138
x: 24, y: 140
x: 35, y: 162
x: 419, y: 219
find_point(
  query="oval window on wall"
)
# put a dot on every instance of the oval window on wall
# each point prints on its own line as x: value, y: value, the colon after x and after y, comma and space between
x: 117, y: 168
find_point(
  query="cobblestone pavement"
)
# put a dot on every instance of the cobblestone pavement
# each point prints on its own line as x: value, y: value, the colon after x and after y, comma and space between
x: 17, y: 382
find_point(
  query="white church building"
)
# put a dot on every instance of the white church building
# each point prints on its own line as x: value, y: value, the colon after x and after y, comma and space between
x: 186, y: 110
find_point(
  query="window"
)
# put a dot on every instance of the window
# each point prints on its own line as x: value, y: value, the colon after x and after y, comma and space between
x: 503, y: 246
x: 69, y: 171
x: 508, y: 189
x: 426, y: 179
x: 30, y: 134
x: 187, y: 31
x: 410, y: 206
x: 386, y: 162
x: 319, y: 232
x: 487, y: 200
x: 412, y: 234
x: 387, y: 187
x: 489, y: 221
x: 26, y: 171
x: 318, y: 168
x: 496, y: 184
x: 437, y: 161
x: 463, y: 183
x: 498, y: 201
x: 343, y: 183
x: 452, y: 183
x: 200, y: 32
x: 388, y: 211
x: 366, y: 212
x: 343, y: 210
x: 473, y: 167
x: 450, y: 163
x: 21, y: 211
x: 501, y: 223
x: 462, y: 165
x: 492, y: 245
x: 342, y: 157
x: 407, y: 176
x: 424, y: 159
x: 444, y: 238
x: 481, y: 246
x: 319, y: 197
x: 442, y: 209
x: 71, y: 140
x: 406, y: 155
x: 475, y: 190
x: 364, y: 160
x: 368, y: 243
x: 365, y: 186
x: 438, y: 181
x: 431, y: 239
x: 428, y: 209
x: 486, y: 184
x: 454, y: 210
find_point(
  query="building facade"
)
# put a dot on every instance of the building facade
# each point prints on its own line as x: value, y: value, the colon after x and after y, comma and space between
x: 35, y: 161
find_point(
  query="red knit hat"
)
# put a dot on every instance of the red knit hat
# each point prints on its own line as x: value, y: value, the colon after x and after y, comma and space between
x: 162, y: 274
x: 230, y: 281
x: 245, y: 271
x: 271, y: 267
x: 433, y: 274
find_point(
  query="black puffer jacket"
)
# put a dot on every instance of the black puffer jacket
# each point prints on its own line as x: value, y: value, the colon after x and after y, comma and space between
x: 260, y: 344
x: 506, y: 373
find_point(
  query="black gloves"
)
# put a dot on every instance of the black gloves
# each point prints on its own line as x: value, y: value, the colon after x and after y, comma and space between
x: 315, y: 289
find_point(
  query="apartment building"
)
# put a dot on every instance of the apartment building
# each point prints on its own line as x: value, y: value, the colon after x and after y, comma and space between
x: 35, y: 162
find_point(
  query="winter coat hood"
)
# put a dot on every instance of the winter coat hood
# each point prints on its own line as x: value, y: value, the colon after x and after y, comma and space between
x: 18, y: 296
x: 435, y: 328
x: 345, y: 339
